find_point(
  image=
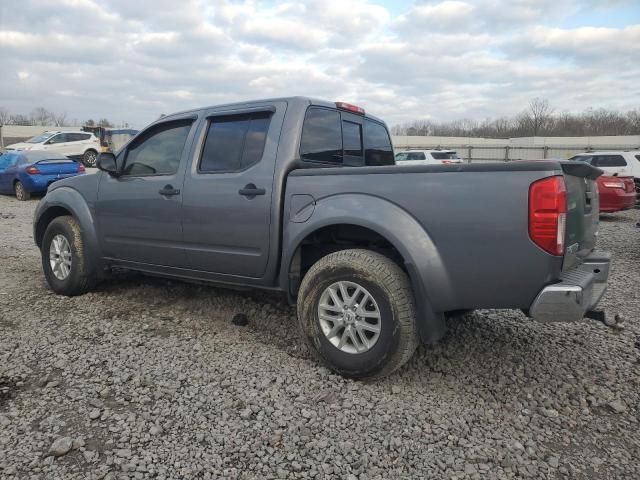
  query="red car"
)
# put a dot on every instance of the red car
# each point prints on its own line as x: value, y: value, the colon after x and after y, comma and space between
x: 616, y: 193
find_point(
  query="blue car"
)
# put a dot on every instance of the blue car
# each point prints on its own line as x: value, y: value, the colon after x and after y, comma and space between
x: 23, y: 172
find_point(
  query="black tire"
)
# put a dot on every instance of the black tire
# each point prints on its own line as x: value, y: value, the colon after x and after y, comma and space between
x: 79, y: 280
x: 90, y: 158
x: 391, y: 290
x: 22, y: 193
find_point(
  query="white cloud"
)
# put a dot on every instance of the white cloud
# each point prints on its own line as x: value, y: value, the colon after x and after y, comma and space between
x: 132, y: 60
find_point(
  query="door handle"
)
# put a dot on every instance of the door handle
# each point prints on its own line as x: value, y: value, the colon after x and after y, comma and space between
x: 168, y: 191
x: 250, y: 190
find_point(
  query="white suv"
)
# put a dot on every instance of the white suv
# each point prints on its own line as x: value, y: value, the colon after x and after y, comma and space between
x: 427, y: 157
x: 612, y: 162
x: 79, y: 144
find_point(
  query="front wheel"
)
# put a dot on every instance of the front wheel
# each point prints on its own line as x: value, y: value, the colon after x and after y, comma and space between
x: 65, y: 262
x: 356, y: 312
x: 22, y: 193
x: 90, y: 158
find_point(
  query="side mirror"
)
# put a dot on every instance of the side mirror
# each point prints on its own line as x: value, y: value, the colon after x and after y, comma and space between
x: 107, y: 163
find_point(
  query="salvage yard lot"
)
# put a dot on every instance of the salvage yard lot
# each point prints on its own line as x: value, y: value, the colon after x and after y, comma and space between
x: 150, y: 379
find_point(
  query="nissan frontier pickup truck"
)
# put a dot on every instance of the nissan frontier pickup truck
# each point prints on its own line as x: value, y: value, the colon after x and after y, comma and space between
x: 303, y: 196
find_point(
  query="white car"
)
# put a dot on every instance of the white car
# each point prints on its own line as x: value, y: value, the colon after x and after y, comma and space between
x: 78, y: 144
x: 614, y: 162
x: 427, y: 157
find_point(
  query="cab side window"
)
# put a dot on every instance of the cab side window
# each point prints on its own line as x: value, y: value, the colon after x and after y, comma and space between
x: 158, y: 151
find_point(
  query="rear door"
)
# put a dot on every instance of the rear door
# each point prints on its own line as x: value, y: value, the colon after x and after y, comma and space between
x: 226, y: 210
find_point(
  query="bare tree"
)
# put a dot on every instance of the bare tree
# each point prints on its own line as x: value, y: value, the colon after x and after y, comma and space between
x: 60, y: 119
x: 19, y: 119
x: 90, y: 123
x: 41, y: 116
x: 4, y: 116
x: 103, y: 122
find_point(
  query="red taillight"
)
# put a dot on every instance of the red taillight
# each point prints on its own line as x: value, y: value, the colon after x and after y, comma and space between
x: 446, y: 162
x: 81, y: 168
x: 349, y: 107
x: 548, y: 214
x: 32, y: 170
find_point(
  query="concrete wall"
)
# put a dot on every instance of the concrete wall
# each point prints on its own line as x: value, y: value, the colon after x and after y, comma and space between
x: 523, y: 148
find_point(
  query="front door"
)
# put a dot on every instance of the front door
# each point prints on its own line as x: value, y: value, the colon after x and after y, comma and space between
x: 227, y: 202
x: 139, y: 211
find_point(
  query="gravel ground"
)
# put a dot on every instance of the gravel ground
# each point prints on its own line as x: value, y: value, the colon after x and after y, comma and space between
x: 149, y: 378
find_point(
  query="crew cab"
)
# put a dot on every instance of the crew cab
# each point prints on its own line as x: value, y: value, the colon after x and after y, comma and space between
x: 303, y: 196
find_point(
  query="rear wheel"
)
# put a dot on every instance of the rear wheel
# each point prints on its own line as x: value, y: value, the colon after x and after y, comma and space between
x: 22, y: 193
x: 65, y: 262
x: 90, y: 158
x: 356, y: 312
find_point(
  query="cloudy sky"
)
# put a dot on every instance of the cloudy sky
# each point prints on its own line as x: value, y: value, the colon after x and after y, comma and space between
x: 131, y: 60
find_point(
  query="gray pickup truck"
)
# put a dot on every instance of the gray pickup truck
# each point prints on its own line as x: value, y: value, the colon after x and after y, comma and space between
x: 303, y: 196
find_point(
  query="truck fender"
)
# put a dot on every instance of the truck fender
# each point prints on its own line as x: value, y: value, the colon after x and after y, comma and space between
x: 64, y: 201
x: 422, y: 259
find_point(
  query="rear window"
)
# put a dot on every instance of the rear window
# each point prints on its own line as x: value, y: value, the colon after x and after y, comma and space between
x: 234, y: 142
x: 352, y: 139
x: 378, y: 149
x: 321, y: 136
x: 328, y: 138
x: 609, y: 161
x: 445, y: 155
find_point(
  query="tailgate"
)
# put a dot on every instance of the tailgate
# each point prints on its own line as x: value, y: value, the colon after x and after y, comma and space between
x: 58, y: 167
x: 583, y: 210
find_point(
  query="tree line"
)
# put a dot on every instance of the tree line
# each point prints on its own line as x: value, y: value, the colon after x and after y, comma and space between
x: 46, y: 118
x: 538, y: 119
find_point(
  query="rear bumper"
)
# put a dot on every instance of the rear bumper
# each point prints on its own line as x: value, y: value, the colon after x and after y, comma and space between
x: 578, y: 291
x: 616, y: 199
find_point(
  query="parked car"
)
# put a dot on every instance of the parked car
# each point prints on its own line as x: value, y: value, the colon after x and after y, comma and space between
x: 77, y: 144
x: 302, y: 196
x: 427, y: 157
x: 23, y: 173
x: 616, y: 193
x: 615, y: 162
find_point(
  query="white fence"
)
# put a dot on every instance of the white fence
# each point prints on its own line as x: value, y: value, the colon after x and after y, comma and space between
x: 523, y: 148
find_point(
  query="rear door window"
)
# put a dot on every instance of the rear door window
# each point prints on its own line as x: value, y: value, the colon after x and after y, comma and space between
x: 321, y: 136
x: 377, y: 144
x: 609, y: 161
x: 234, y: 142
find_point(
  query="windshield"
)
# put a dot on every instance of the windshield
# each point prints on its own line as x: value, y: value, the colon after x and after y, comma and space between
x: 40, y: 138
x: 445, y: 155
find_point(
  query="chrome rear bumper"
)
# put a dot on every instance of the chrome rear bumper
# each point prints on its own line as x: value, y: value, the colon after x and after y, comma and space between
x: 578, y: 291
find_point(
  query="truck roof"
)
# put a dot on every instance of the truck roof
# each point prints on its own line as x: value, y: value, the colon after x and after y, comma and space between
x: 248, y: 103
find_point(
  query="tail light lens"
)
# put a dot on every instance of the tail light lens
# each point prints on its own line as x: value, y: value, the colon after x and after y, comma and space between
x: 548, y: 214
x: 81, y: 168
x: 32, y: 170
x: 614, y: 184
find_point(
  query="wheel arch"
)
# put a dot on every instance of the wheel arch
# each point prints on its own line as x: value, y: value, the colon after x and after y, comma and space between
x: 67, y: 201
x: 416, y: 252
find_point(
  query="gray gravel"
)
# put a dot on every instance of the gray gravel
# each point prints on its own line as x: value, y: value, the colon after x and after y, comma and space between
x: 147, y: 378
